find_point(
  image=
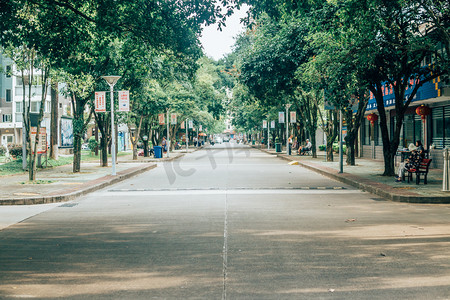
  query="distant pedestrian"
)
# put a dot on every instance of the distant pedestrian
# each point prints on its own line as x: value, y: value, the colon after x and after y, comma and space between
x: 164, y: 144
x: 290, y: 144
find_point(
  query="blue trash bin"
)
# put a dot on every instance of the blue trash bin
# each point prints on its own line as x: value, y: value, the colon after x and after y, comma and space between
x: 158, y: 151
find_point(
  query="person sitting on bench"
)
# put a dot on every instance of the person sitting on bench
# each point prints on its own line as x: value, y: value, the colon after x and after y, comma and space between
x: 303, y: 149
x: 412, y: 162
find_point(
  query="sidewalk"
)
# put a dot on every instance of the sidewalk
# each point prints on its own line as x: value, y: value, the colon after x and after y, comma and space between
x: 60, y: 184
x: 366, y: 175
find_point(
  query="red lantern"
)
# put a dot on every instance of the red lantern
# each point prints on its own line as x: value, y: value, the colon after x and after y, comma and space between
x: 423, y: 111
x: 372, y: 118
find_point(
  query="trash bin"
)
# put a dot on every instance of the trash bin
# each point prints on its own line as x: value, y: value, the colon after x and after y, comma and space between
x: 158, y: 151
x: 253, y: 142
x: 278, y: 147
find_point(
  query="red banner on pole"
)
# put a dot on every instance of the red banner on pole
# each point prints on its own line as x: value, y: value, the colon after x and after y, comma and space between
x: 100, y: 101
x: 161, y: 119
x: 124, y: 101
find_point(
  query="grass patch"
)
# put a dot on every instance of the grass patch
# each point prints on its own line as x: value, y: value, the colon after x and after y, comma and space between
x: 37, y: 182
x: 12, y: 167
x: 15, y: 166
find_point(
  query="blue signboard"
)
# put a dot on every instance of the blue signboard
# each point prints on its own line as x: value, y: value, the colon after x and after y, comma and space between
x: 428, y: 90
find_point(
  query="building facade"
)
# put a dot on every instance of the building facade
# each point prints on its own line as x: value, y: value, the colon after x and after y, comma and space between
x: 434, y: 131
x: 12, y: 92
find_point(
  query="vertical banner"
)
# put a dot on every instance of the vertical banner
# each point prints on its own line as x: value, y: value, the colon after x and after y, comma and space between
x: 182, y: 125
x: 161, y: 119
x: 264, y: 124
x: 281, y: 117
x: 272, y: 124
x: 293, y: 117
x: 100, y: 101
x: 200, y: 128
x: 124, y: 101
x: 42, y: 142
x: 191, y: 124
x: 173, y: 119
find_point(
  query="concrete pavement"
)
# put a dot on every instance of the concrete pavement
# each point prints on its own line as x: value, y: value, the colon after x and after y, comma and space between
x: 230, y: 224
x: 366, y: 175
x: 63, y: 185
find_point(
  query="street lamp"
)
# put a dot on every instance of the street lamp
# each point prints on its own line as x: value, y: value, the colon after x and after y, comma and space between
x: 287, y: 128
x: 112, y: 80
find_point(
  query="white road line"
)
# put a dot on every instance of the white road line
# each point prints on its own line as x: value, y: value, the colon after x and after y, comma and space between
x: 225, y: 251
x: 128, y: 193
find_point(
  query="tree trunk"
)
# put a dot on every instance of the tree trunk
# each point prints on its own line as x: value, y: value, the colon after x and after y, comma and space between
x: 313, y: 143
x: 351, y: 153
x: 330, y: 141
x: 76, y: 153
x: 145, y: 148
x: 104, y: 151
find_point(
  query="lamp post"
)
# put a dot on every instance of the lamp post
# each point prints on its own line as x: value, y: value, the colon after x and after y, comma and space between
x: 187, y: 136
x: 287, y: 128
x: 268, y: 134
x: 168, y: 134
x: 112, y: 80
x: 341, y: 147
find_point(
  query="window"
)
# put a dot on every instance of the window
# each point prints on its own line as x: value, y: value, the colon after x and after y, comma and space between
x: 19, y: 106
x: 35, y: 106
x: 369, y: 132
x: 8, y: 95
x: 8, y: 71
x: 447, y: 126
x: 7, y: 118
x: 437, y: 115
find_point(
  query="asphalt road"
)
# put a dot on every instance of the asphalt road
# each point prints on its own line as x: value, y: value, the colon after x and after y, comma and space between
x: 228, y: 223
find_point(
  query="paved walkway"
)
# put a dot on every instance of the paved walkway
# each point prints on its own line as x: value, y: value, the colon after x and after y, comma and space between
x: 366, y: 175
x: 60, y: 184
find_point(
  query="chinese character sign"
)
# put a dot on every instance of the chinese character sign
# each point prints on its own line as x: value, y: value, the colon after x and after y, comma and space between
x: 161, y: 119
x: 293, y: 117
x: 264, y: 124
x: 173, y: 119
x: 124, y: 101
x: 272, y: 124
x: 182, y: 125
x: 280, y: 117
x: 191, y: 124
x: 100, y: 101
x: 200, y: 128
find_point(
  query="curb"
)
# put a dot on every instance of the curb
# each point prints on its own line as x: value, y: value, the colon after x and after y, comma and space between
x: 91, y: 186
x: 373, y: 187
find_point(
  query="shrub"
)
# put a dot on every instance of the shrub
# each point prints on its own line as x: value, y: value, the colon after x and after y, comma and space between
x: 2, y: 150
x: 92, y: 143
x: 336, y: 148
x: 322, y: 147
x: 277, y: 140
x: 15, y: 150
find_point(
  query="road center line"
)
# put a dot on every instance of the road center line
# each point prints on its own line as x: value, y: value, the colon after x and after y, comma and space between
x: 225, y: 250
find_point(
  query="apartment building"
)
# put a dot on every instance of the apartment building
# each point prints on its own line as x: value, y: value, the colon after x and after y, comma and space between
x: 11, y: 106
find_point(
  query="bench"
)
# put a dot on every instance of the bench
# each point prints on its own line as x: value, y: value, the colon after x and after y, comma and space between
x: 423, y: 168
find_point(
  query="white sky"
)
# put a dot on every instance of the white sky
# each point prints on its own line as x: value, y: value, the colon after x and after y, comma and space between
x: 217, y: 43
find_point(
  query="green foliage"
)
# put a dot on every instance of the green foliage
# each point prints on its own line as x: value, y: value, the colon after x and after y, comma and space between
x: 15, y: 150
x: 336, y: 148
x: 322, y: 147
x: 92, y: 143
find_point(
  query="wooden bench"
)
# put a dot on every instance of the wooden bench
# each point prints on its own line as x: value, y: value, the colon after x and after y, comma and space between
x: 423, y: 168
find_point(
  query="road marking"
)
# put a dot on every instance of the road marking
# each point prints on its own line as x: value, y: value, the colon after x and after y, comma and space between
x: 225, y: 251
x: 147, y: 192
